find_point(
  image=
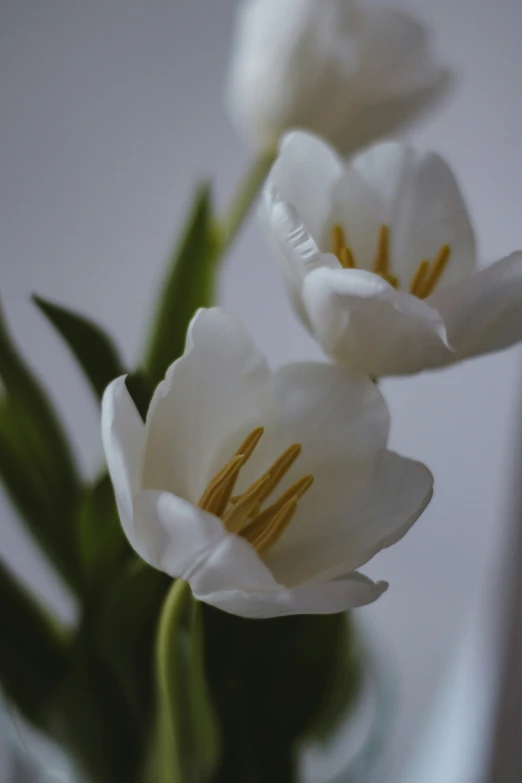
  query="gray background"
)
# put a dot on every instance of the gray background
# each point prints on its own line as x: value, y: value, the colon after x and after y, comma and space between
x: 111, y: 111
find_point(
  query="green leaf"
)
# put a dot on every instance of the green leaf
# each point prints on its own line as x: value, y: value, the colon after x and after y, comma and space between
x: 89, y: 716
x: 275, y: 684
x: 30, y: 493
x: 94, y: 350
x: 125, y: 623
x: 34, y: 651
x: 189, y: 285
x: 140, y: 389
x: 38, y: 424
x: 102, y: 544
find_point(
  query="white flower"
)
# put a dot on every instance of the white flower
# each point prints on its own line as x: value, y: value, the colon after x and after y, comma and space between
x: 222, y: 423
x: 379, y: 258
x: 351, y: 74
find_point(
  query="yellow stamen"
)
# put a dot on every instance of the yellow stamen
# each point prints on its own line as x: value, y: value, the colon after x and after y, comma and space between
x: 391, y: 279
x: 436, y: 272
x: 381, y: 265
x: 419, y: 278
x: 249, y: 444
x: 266, y: 517
x: 425, y: 278
x: 347, y: 259
x: 340, y: 249
x: 217, y: 495
x: 273, y: 532
x: 238, y: 514
x: 212, y: 498
x: 281, y: 466
x: 242, y: 515
x: 337, y: 241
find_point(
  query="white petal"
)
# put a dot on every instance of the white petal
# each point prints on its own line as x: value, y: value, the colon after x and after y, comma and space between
x: 321, y: 66
x: 293, y: 245
x: 211, y: 398
x: 348, y: 592
x: 185, y: 541
x: 224, y: 570
x: 484, y: 314
x: 380, y: 516
x: 290, y: 64
x: 341, y: 421
x: 417, y: 196
x: 394, y: 57
x: 123, y: 435
x: 380, y: 119
x: 305, y: 175
x: 363, y: 322
x: 400, y: 493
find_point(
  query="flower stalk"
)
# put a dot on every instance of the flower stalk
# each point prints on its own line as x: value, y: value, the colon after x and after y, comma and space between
x: 170, y: 768
x: 245, y: 197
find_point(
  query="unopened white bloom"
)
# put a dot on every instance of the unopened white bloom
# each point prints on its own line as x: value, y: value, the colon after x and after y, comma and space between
x: 379, y: 258
x: 349, y: 72
x: 265, y: 491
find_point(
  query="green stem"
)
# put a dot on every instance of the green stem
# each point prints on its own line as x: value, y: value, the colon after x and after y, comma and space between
x: 245, y: 196
x: 172, y: 614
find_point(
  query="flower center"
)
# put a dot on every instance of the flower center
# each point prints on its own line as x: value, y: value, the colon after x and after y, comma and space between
x: 243, y: 514
x: 424, y: 280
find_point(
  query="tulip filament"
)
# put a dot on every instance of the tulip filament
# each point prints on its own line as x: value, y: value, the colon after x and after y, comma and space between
x: 423, y: 282
x: 243, y: 514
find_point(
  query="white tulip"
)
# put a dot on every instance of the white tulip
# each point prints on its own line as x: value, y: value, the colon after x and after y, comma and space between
x: 264, y: 491
x: 347, y: 72
x: 379, y: 258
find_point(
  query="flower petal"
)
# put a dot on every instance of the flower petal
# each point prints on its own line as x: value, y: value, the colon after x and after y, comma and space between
x: 224, y: 570
x: 323, y: 66
x: 363, y: 322
x: 379, y: 119
x: 293, y: 245
x: 484, y: 314
x: 398, y: 496
x: 381, y: 515
x: 270, y: 75
x: 123, y: 435
x: 305, y: 174
x: 186, y: 542
x: 417, y: 196
x: 341, y: 421
x: 394, y: 56
x: 339, y: 595
x: 211, y: 398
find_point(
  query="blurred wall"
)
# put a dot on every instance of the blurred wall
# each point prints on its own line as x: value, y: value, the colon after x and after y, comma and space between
x: 111, y: 111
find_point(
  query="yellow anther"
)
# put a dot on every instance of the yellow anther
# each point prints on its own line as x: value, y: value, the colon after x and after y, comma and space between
x: 249, y: 444
x: 436, y: 272
x: 276, y: 471
x: 391, y: 279
x: 273, y: 532
x: 221, y: 486
x: 266, y: 517
x: 238, y: 514
x: 242, y: 515
x: 340, y: 249
x: 347, y: 259
x: 281, y: 466
x: 381, y: 265
x: 425, y: 278
x: 419, y: 277
x: 338, y: 241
